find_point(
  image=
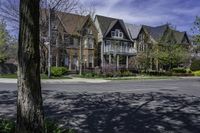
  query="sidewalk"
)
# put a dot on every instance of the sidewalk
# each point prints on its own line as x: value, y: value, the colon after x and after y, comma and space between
x: 59, y: 81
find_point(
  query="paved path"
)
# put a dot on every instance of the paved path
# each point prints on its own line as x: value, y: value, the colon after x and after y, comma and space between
x: 149, y: 106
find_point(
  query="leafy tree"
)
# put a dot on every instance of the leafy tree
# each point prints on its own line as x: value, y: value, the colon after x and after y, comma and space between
x: 29, y: 102
x: 196, y: 37
x: 196, y: 29
x: 4, y: 37
x: 171, y: 55
x: 143, y: 61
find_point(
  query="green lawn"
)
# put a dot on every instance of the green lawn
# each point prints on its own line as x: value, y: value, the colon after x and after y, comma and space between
x: 142, y: 78
x: 12, y: 76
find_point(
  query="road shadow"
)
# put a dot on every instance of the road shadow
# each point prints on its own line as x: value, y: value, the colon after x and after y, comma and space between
x: 116, y: 112
x: 126, y: 113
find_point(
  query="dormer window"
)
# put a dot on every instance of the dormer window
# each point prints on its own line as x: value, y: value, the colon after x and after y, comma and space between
x: 113, y: 33
x: 121, y: 35
x: 117, y: 34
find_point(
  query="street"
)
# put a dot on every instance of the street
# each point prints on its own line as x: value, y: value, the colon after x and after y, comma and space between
x: 148, y: 106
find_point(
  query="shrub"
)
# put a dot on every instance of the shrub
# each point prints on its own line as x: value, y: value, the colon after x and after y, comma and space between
x: 195, y: 65
x: 196, y: 73
x: 179, y: 70
x: 117, y: 74
x: 127, y: 73
x: 158, y: 73
x: 90, y: 75
x: 53, y: 127
x: 58, y: 71
x: 108, y: 70
x: 188, y: 70
x: 182, y: 74
x: 7, y: 126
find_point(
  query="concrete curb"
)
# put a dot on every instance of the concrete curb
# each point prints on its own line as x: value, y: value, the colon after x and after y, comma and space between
x: 59, y: 81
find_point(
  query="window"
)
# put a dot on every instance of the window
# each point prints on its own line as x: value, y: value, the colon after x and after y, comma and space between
x: 112, y: 33
x: 66, y: 39
x: 108, y: 42
x: 86, y: 43
x: 90, y: 58
x: 121, y: 35
x: 117, y: 33
x: 54, y: 35
x: 91, y: 42
x: 141, y: 37
x: 107, y: 46
x: 54, y: 25
x: 71, y: 41
x: 75, y: 41
x: 90, y: 31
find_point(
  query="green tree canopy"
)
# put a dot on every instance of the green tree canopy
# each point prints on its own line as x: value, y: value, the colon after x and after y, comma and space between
x: 4, y: 38
x: 196, y: 29
x: 171, y: 55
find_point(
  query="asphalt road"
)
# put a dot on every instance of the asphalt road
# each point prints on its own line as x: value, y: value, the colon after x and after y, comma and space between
x: 149, y: 106
x: 179, y: 86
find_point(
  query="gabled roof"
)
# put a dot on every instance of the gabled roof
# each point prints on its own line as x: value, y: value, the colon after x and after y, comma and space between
x: 133, y: 30
x: 179, y: 36
x: 107, y: 23
x: 156, y: 32
x: 110, y: 27
x: 71, y: 22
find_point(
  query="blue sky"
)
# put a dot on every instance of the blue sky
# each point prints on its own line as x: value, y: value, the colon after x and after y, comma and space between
x: 180, y: 13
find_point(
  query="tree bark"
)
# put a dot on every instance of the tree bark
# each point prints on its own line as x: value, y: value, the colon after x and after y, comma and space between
x: 29, y: 102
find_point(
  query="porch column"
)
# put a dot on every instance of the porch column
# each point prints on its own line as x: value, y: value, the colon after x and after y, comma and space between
x: 151, y: 64
x: 127, y: 58
x: 102, y: 53
x: 70, y: 64
x: 117, y: 62
x: 110, y: 59
x: 157, y: 65
x: 92, y: 61
x: 57, y: 52
x: 87, y: 62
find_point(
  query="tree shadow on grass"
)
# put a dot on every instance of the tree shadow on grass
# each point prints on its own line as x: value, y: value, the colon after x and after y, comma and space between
x: 116, y: 112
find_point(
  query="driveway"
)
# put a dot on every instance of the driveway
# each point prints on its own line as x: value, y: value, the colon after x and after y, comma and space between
x: 149, y: 106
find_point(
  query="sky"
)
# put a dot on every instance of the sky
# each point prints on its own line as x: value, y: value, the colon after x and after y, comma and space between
x: 179, y: 13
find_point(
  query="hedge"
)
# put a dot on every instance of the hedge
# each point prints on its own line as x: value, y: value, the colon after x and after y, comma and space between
x: 195, y: 65
x: 58, y: 71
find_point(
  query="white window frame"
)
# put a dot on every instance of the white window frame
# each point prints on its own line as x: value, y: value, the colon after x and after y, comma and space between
x: 112, y: 33
x: 121, y: 34
x: 117, y: 32
x: 86, y: 43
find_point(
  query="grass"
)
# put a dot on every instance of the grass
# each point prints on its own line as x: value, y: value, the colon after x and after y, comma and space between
x: 11, y: 76
x: 139, y: 77
x: 43, y: 76
x: 143, y: 78
x: 196, y: 73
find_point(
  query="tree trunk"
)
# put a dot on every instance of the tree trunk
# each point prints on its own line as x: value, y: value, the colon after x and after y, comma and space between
x: 29, y: 102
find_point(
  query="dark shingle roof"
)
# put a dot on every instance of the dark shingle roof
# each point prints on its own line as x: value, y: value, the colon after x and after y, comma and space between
x: 178, y: 36
x: 106, y: 24
x: 133, y: 30
x: 156, y: 32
